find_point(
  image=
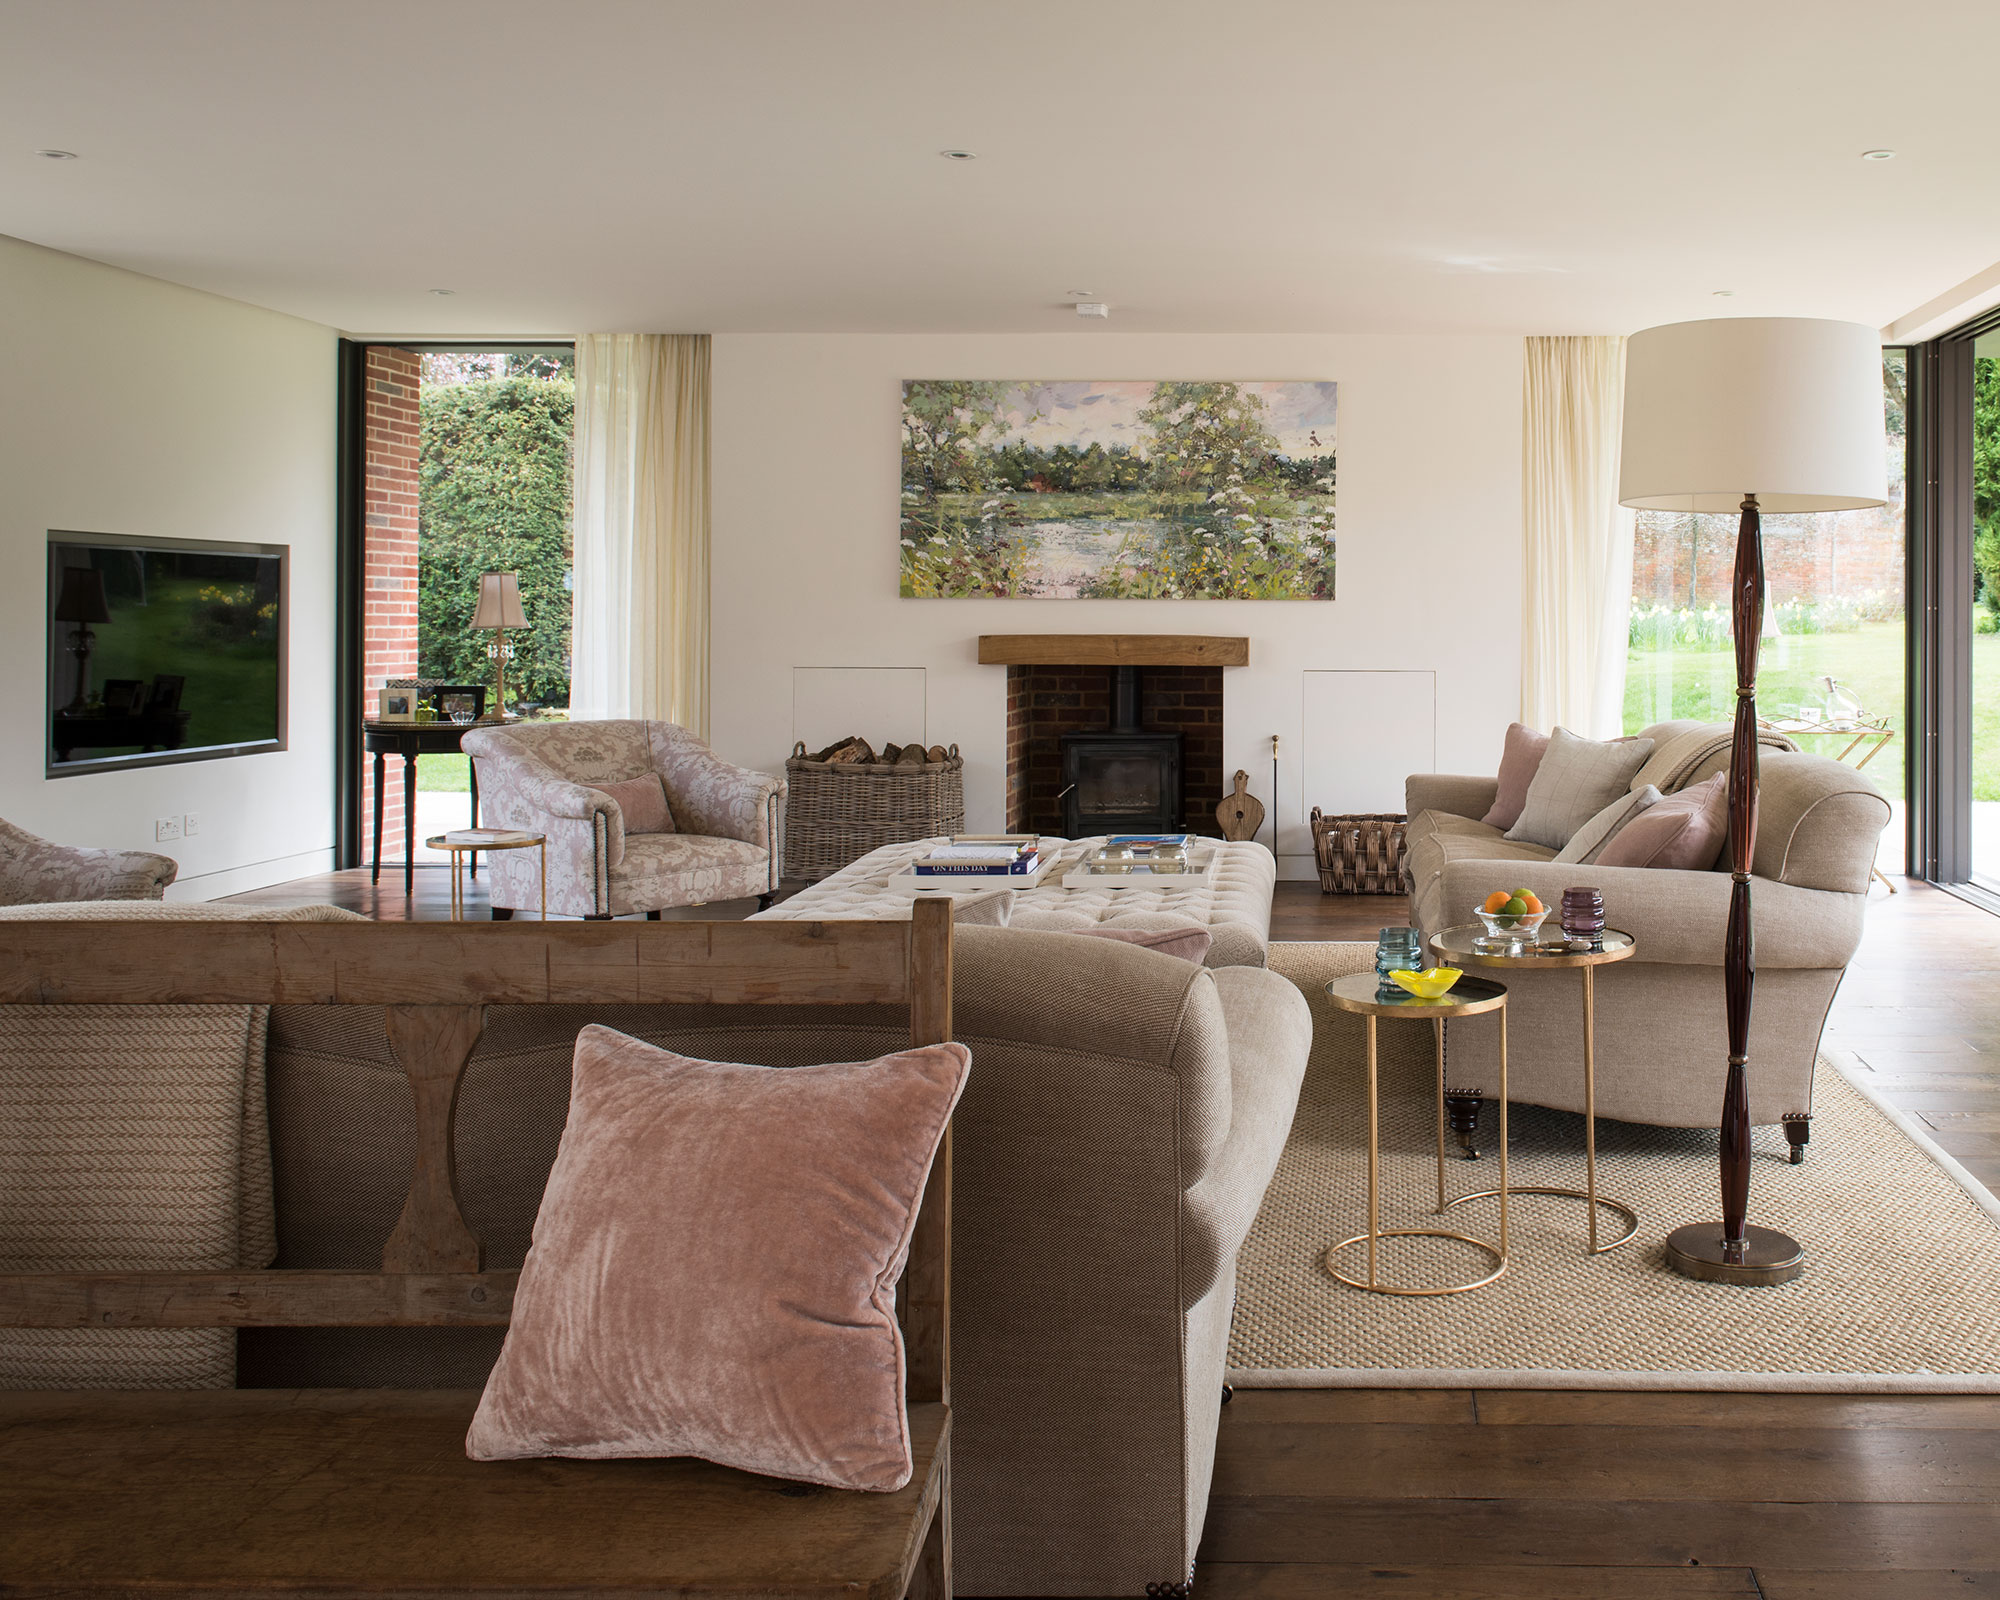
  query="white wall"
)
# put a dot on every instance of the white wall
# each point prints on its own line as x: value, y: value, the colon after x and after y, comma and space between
x: 137, y: 407
x: 804, y: 569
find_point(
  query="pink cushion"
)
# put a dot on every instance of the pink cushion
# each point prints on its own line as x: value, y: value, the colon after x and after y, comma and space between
x: 1190, y: 944
x: 644, y: 801
x: 714, y: 1265
x: 1685, y: 830
x: 1520, y: 758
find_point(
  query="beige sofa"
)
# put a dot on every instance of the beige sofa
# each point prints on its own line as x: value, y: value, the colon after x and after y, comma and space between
x: 1124, y: 1115
x: 1662, y: 1049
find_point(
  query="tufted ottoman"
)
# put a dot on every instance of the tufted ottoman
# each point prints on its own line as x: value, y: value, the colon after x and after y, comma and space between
x: 1234, y: 904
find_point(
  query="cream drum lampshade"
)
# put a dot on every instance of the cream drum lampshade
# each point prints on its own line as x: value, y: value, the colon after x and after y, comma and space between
x: 499, y: 602
x: 1786, y: 408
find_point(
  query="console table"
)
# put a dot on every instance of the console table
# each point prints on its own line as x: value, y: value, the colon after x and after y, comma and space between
x: 410, y: 740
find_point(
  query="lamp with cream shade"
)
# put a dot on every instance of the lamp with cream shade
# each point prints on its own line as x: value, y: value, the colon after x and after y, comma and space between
x: 499, y: 609
x: 1752, y: 414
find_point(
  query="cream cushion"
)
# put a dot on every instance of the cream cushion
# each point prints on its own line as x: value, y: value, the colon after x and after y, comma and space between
x: 1577, y: 779
x: 1588, y: 842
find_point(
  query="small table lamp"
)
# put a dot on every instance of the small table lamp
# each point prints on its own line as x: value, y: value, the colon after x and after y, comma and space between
x: 81, y: 601
x: 1749, y: 414
x: 499, y: 609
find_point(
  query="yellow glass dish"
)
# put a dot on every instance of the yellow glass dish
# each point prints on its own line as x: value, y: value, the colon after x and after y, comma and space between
x: 1432, y: 984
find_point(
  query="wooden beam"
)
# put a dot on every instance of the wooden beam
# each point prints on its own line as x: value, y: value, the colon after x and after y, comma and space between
x: 256, y: 1299
x: 474, y: 963
x: 1112, y: 650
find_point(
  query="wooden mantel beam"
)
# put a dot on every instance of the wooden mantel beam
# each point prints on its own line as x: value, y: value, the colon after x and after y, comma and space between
x: 1112, y: 650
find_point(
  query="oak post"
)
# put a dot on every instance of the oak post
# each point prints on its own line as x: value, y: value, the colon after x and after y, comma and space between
x: 433, y: 1043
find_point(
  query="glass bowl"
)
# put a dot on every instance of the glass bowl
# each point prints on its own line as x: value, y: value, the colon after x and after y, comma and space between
x: 1433, y: 984
x: 1512, y: 927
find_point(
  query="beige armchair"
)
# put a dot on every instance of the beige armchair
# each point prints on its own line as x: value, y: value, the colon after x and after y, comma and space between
x: 1661, y: 1041
x: 541, y: 777
x: 35, y: 872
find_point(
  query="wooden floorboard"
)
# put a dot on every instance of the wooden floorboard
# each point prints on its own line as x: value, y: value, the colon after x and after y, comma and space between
x: 1451, y: 1494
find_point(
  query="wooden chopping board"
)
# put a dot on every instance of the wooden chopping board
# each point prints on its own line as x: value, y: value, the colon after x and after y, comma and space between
x: 1242, y: 813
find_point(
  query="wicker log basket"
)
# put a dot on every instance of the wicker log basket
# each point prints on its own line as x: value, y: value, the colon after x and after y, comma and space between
x: 1361, y: 854
x: 837, y: 811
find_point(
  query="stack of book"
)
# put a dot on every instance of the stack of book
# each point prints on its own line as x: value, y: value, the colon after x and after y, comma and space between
x: 982, y: 856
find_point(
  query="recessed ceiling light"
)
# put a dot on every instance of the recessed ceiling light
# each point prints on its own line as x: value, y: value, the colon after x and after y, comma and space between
x: 1723, y: 294
x: 1081, y: 294
x: 1878, y: 155
x: 959, y: 155
x: 57, y: 155
x: 444, y: 291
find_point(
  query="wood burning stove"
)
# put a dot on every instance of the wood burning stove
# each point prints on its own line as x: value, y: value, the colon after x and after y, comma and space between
x: 1121, y: 779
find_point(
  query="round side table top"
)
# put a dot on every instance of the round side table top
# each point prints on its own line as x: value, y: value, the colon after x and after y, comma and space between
x: 1467, y: 998
x: 1459, y: 945
x: 482, y: 846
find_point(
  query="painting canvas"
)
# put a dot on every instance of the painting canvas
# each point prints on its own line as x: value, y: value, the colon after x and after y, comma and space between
x: 1117, y: 491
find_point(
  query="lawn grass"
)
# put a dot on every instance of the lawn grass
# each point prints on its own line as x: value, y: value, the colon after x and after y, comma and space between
x: 450, y: 773
x: 1663, y: 684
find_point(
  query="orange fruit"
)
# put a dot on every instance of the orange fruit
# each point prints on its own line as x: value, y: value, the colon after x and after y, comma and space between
x: 1534, y: 905
x: 1497, y: 900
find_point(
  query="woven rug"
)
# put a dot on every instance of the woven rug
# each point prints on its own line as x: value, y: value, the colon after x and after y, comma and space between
x: 1901, y: 1292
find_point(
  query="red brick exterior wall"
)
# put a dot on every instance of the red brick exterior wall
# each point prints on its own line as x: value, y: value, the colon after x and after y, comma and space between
x: 1044, y: 703
x: 389, y: 562
x: 1685, y: 561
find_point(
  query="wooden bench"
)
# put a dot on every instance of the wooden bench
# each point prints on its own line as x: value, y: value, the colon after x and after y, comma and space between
x: 347, y: 1492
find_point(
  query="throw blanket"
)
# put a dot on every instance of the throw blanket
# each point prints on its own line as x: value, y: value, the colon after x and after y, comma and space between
x: 133, y: 1138
x: 1678, y: 759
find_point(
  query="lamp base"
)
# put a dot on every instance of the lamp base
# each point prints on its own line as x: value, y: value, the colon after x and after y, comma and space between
x: 1769, y: 1256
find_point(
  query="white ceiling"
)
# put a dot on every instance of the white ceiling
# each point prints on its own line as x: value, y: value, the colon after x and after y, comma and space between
x: 1204, y: 165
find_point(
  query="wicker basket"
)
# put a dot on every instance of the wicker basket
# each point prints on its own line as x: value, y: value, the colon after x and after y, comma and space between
x: 1361, y: 854
x: 837, y: 811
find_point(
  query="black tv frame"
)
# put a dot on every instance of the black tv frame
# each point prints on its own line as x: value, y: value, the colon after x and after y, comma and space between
x: 58, y: 653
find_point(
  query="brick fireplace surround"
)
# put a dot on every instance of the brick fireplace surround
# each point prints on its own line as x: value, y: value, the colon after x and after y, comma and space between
x: 1059, y: 684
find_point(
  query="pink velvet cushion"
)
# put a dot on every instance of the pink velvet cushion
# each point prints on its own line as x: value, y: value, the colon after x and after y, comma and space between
x: 714, y: 1265
x: 1685, y: 830
x: 1519, y: 759
x: 644, y: 802
x: 1190, y: 944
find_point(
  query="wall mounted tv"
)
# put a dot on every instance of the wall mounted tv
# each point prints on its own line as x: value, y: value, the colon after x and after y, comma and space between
x: 163, y: 650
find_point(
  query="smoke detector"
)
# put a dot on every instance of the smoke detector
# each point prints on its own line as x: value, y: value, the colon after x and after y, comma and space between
x: 1092, y: 308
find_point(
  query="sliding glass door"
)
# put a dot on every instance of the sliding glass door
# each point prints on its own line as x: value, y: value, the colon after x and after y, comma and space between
x: 1980, y: 422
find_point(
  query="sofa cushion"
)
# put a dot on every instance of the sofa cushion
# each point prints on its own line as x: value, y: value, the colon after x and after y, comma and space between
x: 1684, y: 832
x: 1588, y: 842
x: 670, y: 869
x: 1520, y: 759
x: 642, y: 803
x: 715, y: 1261
x: 1577, y: 779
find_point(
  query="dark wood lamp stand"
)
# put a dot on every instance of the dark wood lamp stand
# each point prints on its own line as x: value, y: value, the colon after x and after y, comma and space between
x: 1785, y: 413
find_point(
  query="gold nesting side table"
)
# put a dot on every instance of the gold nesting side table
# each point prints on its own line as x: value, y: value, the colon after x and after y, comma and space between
x: 1459, y: 947
x: 1469, y: 997
x: 462, y: 848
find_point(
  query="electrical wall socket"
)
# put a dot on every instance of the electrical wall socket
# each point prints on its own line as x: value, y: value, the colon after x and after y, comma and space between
x: 191, y: 824
x: 166, y: 828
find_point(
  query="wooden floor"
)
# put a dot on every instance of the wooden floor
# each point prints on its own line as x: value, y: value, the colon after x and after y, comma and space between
x: 1547, y: 1495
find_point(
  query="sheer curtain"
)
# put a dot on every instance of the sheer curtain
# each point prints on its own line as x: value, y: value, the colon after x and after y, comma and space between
x: 1577, y: 538
x: 639, y: 638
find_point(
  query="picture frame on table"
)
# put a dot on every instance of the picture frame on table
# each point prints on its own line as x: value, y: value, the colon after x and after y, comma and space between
x: 124, y: 697
x: 456, y: 697
x: 396, y: 705
x: 166, y: 695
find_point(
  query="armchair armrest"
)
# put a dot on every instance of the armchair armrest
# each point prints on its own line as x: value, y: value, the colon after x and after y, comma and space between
x: 1678, y: 917
x: 715, y: 797
x: 1460, y: 795
x: 37, y: 871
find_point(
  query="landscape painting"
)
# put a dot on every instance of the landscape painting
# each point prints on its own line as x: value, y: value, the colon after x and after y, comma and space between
x: 1117, y: 491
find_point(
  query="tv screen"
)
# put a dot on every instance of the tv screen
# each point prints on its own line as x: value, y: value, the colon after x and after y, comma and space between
x: 163, y: 650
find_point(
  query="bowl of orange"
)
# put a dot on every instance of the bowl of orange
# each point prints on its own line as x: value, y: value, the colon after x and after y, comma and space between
x: 1511, y: 916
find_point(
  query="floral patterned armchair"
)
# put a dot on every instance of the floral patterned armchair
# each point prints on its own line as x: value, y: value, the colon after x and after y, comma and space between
x: 35, y: 872
x: 541, y: 777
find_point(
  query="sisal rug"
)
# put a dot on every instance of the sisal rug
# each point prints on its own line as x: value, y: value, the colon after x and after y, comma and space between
x: 1901, y: 1292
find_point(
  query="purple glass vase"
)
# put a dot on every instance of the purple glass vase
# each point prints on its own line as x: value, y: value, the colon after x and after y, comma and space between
x: 1583, y: 915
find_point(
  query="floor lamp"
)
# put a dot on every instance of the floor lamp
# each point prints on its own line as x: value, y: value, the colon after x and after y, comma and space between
x: 1749, y: 414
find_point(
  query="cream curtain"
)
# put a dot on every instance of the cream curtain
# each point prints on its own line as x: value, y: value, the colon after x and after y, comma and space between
x: 1577, y: 538
x: 639, y: 638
